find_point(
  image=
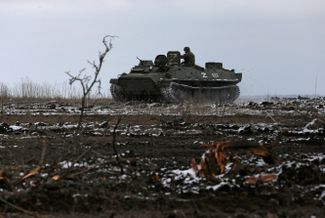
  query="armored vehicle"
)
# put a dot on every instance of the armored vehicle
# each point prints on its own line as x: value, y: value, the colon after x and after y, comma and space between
x: 167, y: 79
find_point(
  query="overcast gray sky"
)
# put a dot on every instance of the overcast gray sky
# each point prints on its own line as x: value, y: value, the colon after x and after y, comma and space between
x: 279, y: 45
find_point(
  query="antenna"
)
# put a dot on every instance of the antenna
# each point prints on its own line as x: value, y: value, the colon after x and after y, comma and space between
x: 316, y: 80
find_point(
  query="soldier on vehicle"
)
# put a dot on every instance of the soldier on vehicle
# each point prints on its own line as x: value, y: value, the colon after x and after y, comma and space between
x: 189, y: 58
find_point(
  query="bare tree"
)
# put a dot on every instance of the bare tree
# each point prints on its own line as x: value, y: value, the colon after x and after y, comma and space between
x: 87, y: 82
x: 4, y: 94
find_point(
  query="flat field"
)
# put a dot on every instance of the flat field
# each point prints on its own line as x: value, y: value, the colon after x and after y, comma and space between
x: 252, y: 159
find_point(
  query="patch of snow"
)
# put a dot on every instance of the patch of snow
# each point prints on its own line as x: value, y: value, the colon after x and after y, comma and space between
x: 15, y: 128
x: 123, y: 177
x: 300, y: 139
x: 228, y: 167
x: 313, y: 124
x: 68, y: 164
x: 184, y: 173
x: 44, y: 175
x: 166, y: 182
x: 314, y: 157
x: 218, y: 186
x: 260, y: 162
x: 243, y: 128
x: 78, y: 195
x: 70, y: 126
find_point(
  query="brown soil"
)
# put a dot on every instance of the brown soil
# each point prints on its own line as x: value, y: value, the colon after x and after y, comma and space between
x: 81, y: 176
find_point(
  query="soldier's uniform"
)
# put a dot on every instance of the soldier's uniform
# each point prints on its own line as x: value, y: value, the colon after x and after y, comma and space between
x: 189, y: 57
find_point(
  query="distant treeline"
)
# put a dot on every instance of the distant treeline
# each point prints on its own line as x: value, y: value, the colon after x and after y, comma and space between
x: 31, y: 89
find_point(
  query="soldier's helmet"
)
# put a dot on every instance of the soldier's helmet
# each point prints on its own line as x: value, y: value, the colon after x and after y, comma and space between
x: 186, y: 49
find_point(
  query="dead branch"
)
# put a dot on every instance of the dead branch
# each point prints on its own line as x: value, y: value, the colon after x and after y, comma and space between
x: 20, y: 209
x: 82, y: 172
x: 83, y: 154
x: 40, y: 166
x: 270, y: 116
x: 119, y: 119
x: 44, y: 150
x: 32, y: 173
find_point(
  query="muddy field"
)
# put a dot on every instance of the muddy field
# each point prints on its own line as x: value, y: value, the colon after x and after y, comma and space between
x: 251, y: 159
